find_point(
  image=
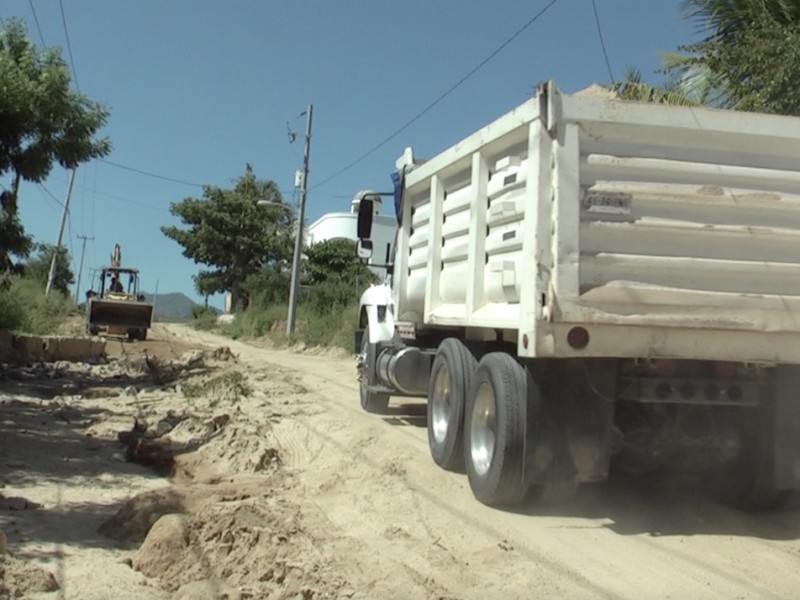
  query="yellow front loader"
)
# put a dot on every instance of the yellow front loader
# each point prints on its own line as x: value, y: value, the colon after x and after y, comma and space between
x: 118, y: 308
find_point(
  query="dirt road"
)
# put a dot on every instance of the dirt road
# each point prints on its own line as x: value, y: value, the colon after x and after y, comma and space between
x: 285, y: 488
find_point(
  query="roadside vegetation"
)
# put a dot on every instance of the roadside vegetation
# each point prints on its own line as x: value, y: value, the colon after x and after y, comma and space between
x: 327, y: 313
x: 332, y: 280
x: 44, y: 122
x: 24, y: 308
x: 748, y: 58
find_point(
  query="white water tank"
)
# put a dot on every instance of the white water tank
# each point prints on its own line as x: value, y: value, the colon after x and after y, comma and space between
x: 373, y: 195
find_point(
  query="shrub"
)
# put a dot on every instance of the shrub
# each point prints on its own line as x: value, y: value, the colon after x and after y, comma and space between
x: 203, y: 317
x: 24, y: 307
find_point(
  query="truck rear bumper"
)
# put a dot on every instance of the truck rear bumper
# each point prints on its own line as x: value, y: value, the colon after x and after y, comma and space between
x: 616, y: 341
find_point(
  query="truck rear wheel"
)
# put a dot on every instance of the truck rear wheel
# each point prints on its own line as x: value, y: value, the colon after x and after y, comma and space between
x: 450, y: 382
x: 495, y: 431
x: 372, y: 402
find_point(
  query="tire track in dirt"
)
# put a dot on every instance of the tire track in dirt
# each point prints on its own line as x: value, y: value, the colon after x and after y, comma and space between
x: 390, y: 506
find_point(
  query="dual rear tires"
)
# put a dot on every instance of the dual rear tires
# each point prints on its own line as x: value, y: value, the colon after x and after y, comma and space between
x: 478, y: 421
x: 495, y: 431
x: 450, y: 383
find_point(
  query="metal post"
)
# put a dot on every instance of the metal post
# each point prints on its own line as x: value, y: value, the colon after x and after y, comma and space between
x: 298, y: 242
x: 80, y: 267
x: 51, y: 276
x: 155, y: 301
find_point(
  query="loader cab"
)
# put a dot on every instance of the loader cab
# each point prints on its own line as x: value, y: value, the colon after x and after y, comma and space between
x: 119, y: 283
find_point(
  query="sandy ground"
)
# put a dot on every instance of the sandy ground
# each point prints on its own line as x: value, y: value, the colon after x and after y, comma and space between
x: 261, y: 477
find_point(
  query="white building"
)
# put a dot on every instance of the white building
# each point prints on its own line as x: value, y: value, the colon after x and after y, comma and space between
x: 342, y: 225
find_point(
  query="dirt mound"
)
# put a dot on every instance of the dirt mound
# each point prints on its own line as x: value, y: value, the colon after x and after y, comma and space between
x: 251, y: 548
x: 131, y: 524
x: 596, y: 91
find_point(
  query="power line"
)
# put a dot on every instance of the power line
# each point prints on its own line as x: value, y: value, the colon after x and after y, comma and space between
x: 127, y: 201
x: 183, y: 181
x: 61, y: 204
x: 148, y: 174
x: 69, y: 46
x: 440, y: 98
x: 36, y: 20
x: 602, y: 41
x: 113, y: 197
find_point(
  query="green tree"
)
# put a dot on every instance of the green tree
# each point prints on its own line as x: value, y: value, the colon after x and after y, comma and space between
x: 228, y: 231
x: 333, y: 259
x: 14, y: 244
x: 632, y: 87
x: 269, y: 286
x: 335, y: 275
x: 748, y: 58
x: 38, y: 267
x: 756, y: 68
x: 42, y: 121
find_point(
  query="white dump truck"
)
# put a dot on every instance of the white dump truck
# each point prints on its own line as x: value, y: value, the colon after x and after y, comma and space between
x: 589, y: 284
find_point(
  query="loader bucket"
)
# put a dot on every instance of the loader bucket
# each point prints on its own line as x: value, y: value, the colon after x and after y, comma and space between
x: 118, y: 314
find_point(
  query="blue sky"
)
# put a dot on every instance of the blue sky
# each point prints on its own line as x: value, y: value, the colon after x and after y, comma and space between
x: 199, y: 88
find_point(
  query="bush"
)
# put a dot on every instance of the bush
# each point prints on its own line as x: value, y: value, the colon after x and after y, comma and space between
x: 203, y: 317
x: 24, y: 307
x: 331, y: 296
x: 329, y: 328
x: 258, y: 321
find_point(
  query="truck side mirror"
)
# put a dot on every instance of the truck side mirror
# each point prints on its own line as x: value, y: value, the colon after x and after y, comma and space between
x: 364, y: 250
x: 364, y: 223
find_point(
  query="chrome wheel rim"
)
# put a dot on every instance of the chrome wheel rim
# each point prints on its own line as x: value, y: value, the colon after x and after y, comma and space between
x: 483, y: 429
x: 441, y: 405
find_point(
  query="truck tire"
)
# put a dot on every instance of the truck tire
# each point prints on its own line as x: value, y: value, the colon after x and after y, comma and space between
x: 450, y: 382
x: 137, y: 334
x: 372, y: 402
x: 495, y: 431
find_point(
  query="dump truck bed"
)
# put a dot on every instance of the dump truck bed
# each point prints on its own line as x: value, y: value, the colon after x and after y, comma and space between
x: 663, y: 231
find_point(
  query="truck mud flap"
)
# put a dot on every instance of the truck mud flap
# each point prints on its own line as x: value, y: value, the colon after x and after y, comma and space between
x: 574, y: 428
x: 786, y: 432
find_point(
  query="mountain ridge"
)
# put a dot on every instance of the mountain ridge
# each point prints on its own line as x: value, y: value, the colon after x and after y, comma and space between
x: 171, y: 306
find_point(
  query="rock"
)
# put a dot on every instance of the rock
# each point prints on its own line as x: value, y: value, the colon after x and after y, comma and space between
x: 167, y: 538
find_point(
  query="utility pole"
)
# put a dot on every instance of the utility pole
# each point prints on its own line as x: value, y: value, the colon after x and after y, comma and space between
x: 155, y: 300
x: 80, y: 267
x: 298, y: 242
x: 51, y: 276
